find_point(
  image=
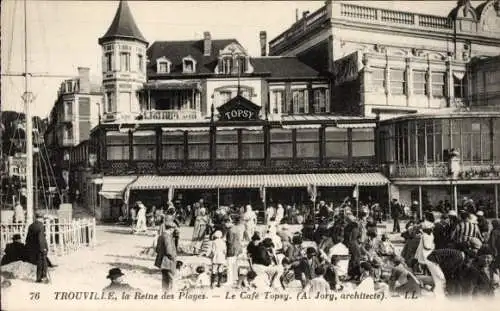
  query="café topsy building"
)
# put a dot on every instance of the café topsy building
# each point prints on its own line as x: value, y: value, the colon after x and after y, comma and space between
x: 185, y: 120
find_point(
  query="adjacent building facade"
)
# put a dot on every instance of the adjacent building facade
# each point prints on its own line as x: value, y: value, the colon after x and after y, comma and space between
x: 74, y: 114
x: 432, y: 80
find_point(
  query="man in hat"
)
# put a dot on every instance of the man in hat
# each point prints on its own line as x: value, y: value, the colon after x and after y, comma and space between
x: 396, y: 212
x: 167, y: 253
x: 117, y: 284
x: 37, y: 247
x: 14, y: 251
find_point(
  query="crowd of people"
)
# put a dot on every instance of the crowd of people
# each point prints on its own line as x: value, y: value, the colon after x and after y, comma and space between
x: 456, y: 255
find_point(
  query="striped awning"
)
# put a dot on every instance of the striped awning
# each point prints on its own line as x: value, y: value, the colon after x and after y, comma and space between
x: 113, y: 187
x: 257, y: 181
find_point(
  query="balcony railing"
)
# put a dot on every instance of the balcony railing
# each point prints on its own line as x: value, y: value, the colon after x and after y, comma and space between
x: 185, y: 114
x: 469, y: 170
x: 249, y: 166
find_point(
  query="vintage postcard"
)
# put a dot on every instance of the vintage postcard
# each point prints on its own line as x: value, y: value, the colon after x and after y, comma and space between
x: 243, y: 154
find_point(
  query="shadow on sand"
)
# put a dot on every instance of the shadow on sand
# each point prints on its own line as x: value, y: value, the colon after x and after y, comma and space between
x: 134, y: 267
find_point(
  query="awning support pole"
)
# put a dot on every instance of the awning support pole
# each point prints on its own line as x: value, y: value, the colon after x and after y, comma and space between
x: 389, y: 200
x: 496, y: 200
x: 218, y: 197
x: 420, y: 208
x: 455, y: 198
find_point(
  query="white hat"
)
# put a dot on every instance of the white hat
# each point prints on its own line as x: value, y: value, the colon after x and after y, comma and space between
x: 480, y: 213
x: 217, y: 234
x: 452, y: 213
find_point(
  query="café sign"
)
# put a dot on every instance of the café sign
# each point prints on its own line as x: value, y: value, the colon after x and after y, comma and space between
x: 239, y: 109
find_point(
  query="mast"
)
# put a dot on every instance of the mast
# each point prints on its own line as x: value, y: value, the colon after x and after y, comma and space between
x: 28, y: 99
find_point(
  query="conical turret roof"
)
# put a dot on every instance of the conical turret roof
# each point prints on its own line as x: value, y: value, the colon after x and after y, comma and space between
x: 123, y: 26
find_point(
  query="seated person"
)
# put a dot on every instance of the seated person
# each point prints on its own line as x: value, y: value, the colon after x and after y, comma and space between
x: 308, y: 265
x: 252, y: 281
x: 331, y: 274
x: 201, y: 278
x: 385, y: 247
x: 15, y: 251
x: 342, y: 254
x: 318, y: 284
x: 117, y: 284
x: 264, y: 261
x: 402, y: 280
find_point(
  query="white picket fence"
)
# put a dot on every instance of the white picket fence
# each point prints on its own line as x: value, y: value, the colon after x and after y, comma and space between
x: 62, y: 238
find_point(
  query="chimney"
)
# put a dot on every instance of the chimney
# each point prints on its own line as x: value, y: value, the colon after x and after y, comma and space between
x: 304, y: 14
x: 263, y: 43
x: 207, y: 43
x: 296, y: 15
x: 84, y: 77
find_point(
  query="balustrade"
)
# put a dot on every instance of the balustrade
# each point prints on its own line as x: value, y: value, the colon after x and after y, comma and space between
x: 397, y: 17
x: 357, y: 11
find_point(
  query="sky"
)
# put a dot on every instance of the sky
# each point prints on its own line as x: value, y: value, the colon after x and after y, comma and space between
x: 63, y: 34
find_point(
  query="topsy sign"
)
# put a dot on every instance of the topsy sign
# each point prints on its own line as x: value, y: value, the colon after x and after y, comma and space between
x: 239, y: 109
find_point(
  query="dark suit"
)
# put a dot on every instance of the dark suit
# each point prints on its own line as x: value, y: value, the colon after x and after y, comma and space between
x: 166, y: 258
x: 37, y: 248
x: 14, y: 251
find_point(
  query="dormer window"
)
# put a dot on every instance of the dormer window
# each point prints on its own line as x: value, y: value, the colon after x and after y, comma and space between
x: 188, y: 64
x: 233, y: 60
x: 233, y: 64
x: 163, y: 65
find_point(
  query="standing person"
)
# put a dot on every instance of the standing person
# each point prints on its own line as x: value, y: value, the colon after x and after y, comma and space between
x: 465, y: 231
x: 280, y: 214
x: 37, y: 248
x: 250, y: 222
x: 396, y: 214
x: 166, y: 258
x: 352, y: 239
x: 218, y: 254
x: 141, y: 225
x: 269, y: 214
x: 234, y: 249
x: 494, y: 242
x: 483, y: 224
x: 19, y: 213
x: 133, y: 216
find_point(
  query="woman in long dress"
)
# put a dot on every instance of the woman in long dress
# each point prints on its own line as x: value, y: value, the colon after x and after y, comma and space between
x: 250, y: 222
x: 200, y: 225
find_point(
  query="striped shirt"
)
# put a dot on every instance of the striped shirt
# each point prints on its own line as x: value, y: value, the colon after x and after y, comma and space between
x: 466, y: 231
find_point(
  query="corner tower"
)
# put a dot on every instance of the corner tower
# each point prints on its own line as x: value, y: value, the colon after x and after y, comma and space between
x: 123, y: 62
